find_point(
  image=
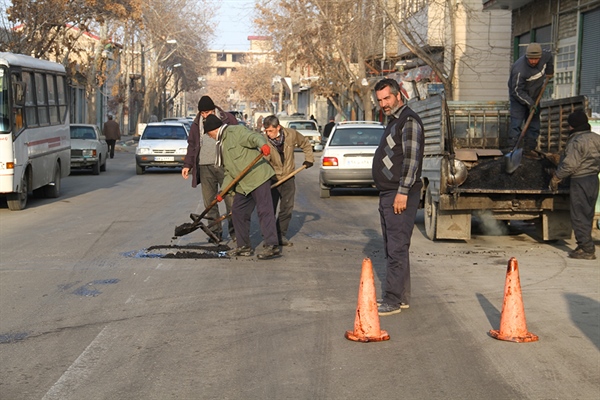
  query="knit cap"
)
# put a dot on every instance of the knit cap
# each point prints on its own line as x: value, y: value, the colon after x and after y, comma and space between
x: 534, y: 50
x: 211, y: 123
x: 206, y: 104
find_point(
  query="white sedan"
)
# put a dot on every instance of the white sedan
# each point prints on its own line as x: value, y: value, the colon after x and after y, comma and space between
x: 163, y: 145
x: 88, y: 148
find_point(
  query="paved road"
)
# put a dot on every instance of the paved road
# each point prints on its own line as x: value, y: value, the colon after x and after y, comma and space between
x: 81, y: 317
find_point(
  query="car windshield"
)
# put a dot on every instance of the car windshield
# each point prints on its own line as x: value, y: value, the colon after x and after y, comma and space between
x: 164, y: 133
x: 308, y: 126
x: 356, y: 137
x: 82, y: 132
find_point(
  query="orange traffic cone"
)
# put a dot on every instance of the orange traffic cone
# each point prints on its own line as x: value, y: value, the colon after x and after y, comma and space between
x: 512, y: 321
x: 366, y: 323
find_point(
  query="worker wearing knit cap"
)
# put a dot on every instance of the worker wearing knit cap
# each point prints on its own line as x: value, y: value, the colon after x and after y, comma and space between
x: 200, y: 161
x: 527, y: 77
x: 581, y: 163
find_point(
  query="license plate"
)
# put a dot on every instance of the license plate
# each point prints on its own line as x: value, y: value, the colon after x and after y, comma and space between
x: 361, y: 162
x: 164, y: 158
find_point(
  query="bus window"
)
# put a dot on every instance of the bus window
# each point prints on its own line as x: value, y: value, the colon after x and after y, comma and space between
x: 62, y: 97
x: 40, y: 97
x: 4, y: 106
x: 52, y: 106
x: 30, y: 110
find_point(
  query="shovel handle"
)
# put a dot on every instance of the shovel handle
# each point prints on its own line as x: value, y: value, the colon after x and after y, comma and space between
x: 288, y: 176
x: 530, y: 117
x: 228, y: 187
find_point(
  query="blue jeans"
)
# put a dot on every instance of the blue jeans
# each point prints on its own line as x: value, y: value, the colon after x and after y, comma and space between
x: 518, y: 116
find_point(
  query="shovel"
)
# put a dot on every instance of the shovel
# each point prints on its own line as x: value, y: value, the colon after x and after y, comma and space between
x: 512, y: 160
x: 184, y: 229
x: 279, y: 182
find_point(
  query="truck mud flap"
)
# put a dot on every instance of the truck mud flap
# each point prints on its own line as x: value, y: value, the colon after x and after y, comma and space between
x: 453, y: 225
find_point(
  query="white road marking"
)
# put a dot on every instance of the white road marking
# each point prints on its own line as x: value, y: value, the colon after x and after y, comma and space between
x: 81, y: 369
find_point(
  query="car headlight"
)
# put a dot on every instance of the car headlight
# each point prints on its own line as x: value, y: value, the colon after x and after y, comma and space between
x: 181, y: 151
x: 143, y: 150
x: 89, y: 152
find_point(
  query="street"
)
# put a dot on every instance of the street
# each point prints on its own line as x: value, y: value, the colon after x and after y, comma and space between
x: 85, y: 315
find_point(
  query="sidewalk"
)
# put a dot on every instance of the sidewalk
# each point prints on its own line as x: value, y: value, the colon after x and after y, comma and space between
x: 127, y: 144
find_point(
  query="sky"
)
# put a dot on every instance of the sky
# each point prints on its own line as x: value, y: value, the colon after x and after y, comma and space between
x: 234, y: 25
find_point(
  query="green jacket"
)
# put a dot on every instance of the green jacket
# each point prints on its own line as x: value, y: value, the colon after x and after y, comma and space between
x: 240, y: 146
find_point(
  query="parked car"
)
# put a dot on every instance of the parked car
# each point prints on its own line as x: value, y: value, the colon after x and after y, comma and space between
x: 88, y: 148
x: 162, y: 144
x: 306, y: 127
x: 348, y: 155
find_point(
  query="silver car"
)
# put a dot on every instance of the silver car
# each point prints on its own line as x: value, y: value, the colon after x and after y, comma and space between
x: 348, y: 155
x: 163, y: 144
x: 88, y: 148
x: 307, y: 127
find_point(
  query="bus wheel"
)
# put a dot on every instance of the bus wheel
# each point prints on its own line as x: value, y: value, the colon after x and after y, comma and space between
x: 18, y: 201
x: 52, y: 190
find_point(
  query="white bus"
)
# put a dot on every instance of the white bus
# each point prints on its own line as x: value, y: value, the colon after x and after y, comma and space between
x: 35, y: 143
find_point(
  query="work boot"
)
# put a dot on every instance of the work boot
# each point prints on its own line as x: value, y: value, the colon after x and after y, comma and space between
x: 580, y: 254
x: 285, y: 242
x: 243, y: 251
x: 269, y: 252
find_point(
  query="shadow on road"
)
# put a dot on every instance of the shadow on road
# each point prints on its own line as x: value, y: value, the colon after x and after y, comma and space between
x: 585, y: 314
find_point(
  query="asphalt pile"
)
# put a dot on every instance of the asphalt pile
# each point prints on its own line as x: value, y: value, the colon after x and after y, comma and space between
x: 490, y: 174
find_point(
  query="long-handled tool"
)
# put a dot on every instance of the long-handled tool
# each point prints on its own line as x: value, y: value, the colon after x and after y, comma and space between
x: 279, y: 182
x: 512, y: 160
x: 184, y: 229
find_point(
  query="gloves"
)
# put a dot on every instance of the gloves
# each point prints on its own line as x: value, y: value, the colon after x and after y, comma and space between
x: 533, y: 110
x: 554, y: 158
x: 307, y: 164
x: 219, y: 198
x: 266, y: 150
x: 554, y: 181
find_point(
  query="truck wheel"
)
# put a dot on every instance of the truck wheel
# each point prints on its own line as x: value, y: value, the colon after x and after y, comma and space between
x: 18, y: 201
x: 52, y: 190
x: 430, y: 212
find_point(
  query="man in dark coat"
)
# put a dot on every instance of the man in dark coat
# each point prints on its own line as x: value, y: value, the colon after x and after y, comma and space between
x: 527, y: 77
x: 112, y: 133
x: 200, y: 159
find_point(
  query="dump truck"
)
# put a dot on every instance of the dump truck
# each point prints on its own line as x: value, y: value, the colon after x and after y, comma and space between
x: 463, y: 168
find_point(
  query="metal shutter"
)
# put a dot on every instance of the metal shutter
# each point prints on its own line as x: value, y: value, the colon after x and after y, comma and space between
x: 589, y: 81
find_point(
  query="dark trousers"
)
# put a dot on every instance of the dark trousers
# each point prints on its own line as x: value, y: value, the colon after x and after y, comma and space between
x: 583, y: 193
x: 518, y: 115
x: 283, y: 195
x: 111, y: 147
x: 211, y: 179
x: 243, y: 206
x: 397, y: 231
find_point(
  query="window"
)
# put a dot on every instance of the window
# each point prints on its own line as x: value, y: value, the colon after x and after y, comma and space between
x: 40, y: 97
x: 30, y: 109
x: 565, y: 59
x: 52, y: 106
x: 62, y: 97
x: 221, y: 71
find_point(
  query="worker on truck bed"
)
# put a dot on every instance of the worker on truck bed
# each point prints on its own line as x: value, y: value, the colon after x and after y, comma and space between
x: 527, y: 77
x: 581, y: 162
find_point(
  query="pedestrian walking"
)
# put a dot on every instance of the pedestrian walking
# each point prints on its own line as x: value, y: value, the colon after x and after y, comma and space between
x: 112, y: 133
x: 527, y: 77
x: 237, y: 147
x: 328, y: 127
x: 581, y: 162
x: 282, y: 142
x: 397, y: 165
x: 200, y: 160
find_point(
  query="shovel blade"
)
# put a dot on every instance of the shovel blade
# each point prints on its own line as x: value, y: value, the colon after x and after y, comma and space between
x: 512, y: 160
x: 186, y: 228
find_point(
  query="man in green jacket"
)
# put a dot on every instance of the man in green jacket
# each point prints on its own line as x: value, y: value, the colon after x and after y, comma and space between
x: 237, y: 147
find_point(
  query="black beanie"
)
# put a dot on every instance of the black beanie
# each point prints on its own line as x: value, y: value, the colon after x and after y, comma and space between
x: 578, y: 120
x: 211, y: 123
x: 206, y: 104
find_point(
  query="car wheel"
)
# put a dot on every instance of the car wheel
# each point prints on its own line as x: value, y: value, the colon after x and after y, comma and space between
x: 18, y: 201
x: 325, y: 192
x: 103, y: 166
x: 52, y: 190
x: 139, y: 170
x: 96, y: 168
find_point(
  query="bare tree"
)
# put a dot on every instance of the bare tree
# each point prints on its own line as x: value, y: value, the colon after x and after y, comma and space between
x: 331, y: 38
x: 253, y: 81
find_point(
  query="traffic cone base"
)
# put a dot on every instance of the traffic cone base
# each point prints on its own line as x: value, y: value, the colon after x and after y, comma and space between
x: 366, y: 323
x: 513, y: 327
